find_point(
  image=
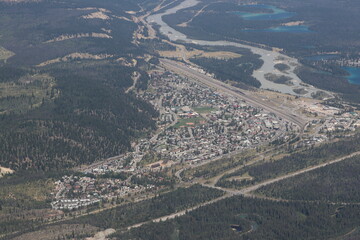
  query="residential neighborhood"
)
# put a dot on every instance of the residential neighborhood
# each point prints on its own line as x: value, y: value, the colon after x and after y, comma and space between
x: 196, y: 124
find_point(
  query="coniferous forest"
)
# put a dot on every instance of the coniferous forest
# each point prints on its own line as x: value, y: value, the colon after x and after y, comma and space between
x: 100, y: 137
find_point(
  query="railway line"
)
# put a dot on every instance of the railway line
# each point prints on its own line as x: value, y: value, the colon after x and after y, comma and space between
x: 223, y: 87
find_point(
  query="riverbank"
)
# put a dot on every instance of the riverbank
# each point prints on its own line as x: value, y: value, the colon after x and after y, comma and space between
x: 270, y: 58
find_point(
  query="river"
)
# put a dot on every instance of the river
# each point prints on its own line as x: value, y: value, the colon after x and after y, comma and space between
x: 270, y: 58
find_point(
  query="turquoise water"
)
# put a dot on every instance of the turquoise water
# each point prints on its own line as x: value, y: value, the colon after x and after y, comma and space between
x: 354, y: 76
x: 276, y: 13
x: 288, y: 29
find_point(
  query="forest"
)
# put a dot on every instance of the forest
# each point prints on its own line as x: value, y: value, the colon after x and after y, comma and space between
x: 92, y: 118
x: 238, y: 70
x: 64, y: 103
x: 330, y: 27
x: 331, y: 82
x: 74, y: 111
x: 25, y: 198
x: 332, y: 24
x: 245, y: 218
x: 128, y: 213
x: 335, y: 183
x: 143, y: 211
x: 292, y: 162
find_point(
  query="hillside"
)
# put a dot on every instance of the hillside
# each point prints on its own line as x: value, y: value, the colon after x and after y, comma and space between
x: 65, y: 71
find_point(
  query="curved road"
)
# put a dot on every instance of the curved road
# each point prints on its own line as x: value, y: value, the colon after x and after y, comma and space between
x: 246, y: 192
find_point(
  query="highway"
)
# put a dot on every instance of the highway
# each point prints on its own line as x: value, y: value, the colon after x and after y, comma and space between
x: 247, y: 96
x: 180, y: 213
x: 247, y: 191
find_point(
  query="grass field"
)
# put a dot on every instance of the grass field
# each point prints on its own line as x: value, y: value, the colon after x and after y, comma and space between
x: 22, y: 204
x: 27, y: 93
x: 204, y: 109
x: 220, y: 166
x: 32, y: 191
x: 189, y: 122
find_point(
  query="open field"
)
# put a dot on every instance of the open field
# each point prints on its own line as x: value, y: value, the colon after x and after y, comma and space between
x: 32, y: 191
x: 28, y: 92
x: 24, y: 201
x: 245, y: 176
x: 203, y: 110
x: 188, y: 122
x: 5, y: 54
x: 214, y: 168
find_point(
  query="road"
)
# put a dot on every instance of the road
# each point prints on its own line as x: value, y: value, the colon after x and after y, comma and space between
x: 180, y: 213
x: 246, y: 192
x: 229, y: 155
x: 141, y: 19
x: 223, y: 87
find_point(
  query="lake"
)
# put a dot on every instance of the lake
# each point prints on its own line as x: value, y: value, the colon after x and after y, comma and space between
x: 276, y: 13
x: 354, y: 76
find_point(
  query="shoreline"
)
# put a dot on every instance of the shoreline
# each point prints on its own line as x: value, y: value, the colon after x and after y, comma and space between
x: 270, y: 58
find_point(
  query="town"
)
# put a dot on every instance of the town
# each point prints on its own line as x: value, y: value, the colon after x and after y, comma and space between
x: 196, y: 124
x: 204, y: 123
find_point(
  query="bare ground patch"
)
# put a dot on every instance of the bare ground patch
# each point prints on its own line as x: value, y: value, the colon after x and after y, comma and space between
x: 4, y: 53
x: 74, y: 56
x: 78, y: 35
x: 97, y: 15
x: 245, y: 176
x: 4, y: 171
x: 295, y: 23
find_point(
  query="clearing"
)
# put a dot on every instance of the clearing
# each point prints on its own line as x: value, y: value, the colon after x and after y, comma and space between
x: 5, y: 54
x: 29, y: 92
x: 202, y: 110
x: 4, y: 171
